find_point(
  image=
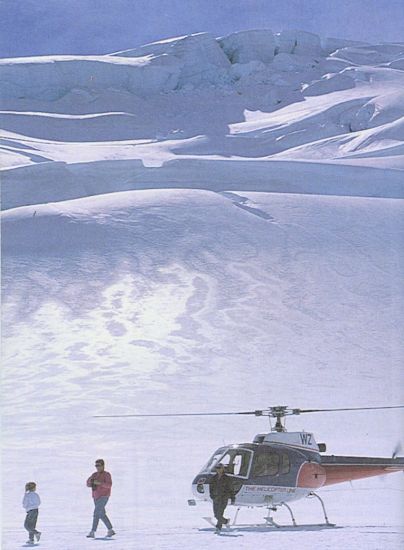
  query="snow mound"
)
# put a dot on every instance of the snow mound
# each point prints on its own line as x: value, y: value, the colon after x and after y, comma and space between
x: 329, y: 83
x: 94, y: 222
x: 330, y: 45
x: 50, y: 78
x: 194, y: 60
x: 298, y: 42
x: 199, y: 55
x: 294, y: 62
x: 118, y: 126
x: 378, y: 111
x: 243, y: 47
x: 397, y: 64
x: 370, y: 54
x: 390, y: 133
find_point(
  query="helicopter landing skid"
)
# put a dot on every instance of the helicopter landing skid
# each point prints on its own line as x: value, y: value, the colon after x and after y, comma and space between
x: 311, y: 495
x: 269, y: 521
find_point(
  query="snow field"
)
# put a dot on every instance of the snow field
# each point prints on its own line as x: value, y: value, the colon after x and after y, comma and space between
x: 157, y: 300
x: 199, y: 224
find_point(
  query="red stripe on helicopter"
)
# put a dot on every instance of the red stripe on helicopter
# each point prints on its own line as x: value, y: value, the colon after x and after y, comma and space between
x: 311, y: 476
x: 338, y: 473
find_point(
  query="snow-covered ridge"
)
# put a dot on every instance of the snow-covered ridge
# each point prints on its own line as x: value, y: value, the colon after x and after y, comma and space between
x: 207, y: 112
x: 187, y: 61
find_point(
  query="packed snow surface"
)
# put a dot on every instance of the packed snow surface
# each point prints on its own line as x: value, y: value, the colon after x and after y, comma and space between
x: 200, y: 224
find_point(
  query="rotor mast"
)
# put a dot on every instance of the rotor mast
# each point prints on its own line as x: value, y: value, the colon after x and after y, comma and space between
x: 277, y: 412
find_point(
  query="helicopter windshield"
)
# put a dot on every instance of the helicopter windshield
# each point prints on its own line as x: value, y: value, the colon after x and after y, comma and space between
x: 236, y: 460
x: 210, y: 466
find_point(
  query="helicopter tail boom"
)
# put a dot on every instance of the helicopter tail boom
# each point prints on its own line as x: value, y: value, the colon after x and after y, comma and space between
x: 339, y: 469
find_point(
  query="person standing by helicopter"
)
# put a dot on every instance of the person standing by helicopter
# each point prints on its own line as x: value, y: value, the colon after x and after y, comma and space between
x: 100, y: 483
x: 220, y: 491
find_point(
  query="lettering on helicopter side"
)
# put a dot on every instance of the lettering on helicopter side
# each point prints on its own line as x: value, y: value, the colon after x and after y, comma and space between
x: 305, y: 439
x: 263, y: 489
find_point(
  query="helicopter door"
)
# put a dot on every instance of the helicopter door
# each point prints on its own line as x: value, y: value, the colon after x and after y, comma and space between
x: 237, y: 462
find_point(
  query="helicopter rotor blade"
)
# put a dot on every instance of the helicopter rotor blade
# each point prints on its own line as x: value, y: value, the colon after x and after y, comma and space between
x: 278, y: 411
x: 350, y: 409
x: 256, y: 413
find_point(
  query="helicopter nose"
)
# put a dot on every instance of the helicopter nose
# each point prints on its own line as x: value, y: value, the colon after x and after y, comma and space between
x: 200, y: 488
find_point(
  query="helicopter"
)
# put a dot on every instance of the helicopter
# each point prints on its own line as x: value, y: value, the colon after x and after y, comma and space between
x: 279, y: 467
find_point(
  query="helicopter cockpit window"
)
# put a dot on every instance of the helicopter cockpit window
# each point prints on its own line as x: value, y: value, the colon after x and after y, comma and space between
x: 210, y: 466
x: 237, y: 462
x: 266, y: 465
x: 271, y: 464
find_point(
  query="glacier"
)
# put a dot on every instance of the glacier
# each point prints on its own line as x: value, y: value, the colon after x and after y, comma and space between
x: 201, y: 223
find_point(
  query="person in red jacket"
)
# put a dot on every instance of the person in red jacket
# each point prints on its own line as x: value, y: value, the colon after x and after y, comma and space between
x: 100, y: 483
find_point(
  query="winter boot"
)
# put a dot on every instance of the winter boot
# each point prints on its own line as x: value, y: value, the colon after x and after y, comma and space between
x: 91, y: 535
x: 111, y: 533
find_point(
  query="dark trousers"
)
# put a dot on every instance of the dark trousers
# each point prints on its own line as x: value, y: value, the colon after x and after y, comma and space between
x: 30, y: 523
x: 219, y: 506
x: 100, y: 513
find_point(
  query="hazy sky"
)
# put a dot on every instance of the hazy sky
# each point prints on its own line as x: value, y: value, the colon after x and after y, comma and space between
x: 39, y: 27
